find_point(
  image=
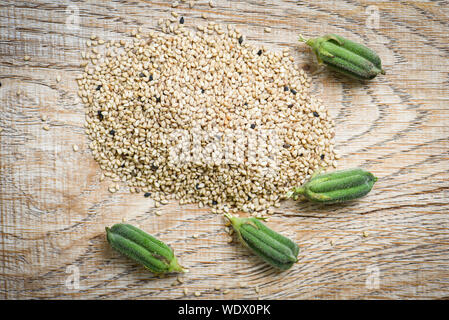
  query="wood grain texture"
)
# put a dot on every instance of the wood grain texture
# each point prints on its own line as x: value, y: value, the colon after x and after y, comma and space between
x: 54, y: 209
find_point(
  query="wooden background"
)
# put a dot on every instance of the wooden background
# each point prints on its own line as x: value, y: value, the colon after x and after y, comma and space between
x: 392, y: 244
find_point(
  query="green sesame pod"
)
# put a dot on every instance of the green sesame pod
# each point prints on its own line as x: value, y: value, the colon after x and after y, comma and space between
x: 337, y: 186
x: 284, y: 240
x: 345, y: 56
x: 270, y: 246
x: 360, y: 50
x: 143, y: 248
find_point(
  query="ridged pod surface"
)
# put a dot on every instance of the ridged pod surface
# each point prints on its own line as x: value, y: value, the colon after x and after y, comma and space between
x: 337, y: 186
x: 143, y: 248
x: 345, y: 56
x: 272, y: 247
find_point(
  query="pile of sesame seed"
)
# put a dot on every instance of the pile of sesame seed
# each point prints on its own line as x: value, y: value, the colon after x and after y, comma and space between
x: 202, y: 116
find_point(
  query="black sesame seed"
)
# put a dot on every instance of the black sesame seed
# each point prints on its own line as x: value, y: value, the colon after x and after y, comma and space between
x: 286, y: 88
x: 253, y: 125
x: 301, y: 154
x: 315, y: 114
x: 122, y: 166
x: 197, y: 186
x: 322, y: 157
x: 245, y: 104
x: 214, y: 202
x: 98, y: 87
x: 150, y: 77
x: 147, y: 194
x: 158, y: 99
x: 290, y: 105
x: 259, y: 52
x: 202, y: 90
x: 153, y: 167
x: 240, y: 39
x: 142, y: 75
x: 112, y: 132
x: 286, y: 145
x: 0, y: 84
x: 293, y: 91
x: 249, y: 198
x: 181, y: 21
x: 100, y: 115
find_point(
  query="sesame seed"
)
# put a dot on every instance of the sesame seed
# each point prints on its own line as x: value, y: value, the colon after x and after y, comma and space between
x: 141, y: 94
x: 315, y: 114
x: 58, y: 78
x: 181, y: 21
x: 197, y: 293
x: 26, y: 58
x: 147, y: 194
x: 75, y: 147
x: 267, y: 30
x: 46, y: 128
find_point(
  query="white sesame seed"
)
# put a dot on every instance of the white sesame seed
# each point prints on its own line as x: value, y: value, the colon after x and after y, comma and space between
x: 46, y: 128
x: 26, y: 58
x: 75, y: 147
x: 268, y: 30
x: 58, y: 78
x: 133, y: 109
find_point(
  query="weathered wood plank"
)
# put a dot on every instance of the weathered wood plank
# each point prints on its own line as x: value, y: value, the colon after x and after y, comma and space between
x: 54, y: 209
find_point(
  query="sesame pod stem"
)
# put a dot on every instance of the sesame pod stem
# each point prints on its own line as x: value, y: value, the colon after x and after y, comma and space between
x: 143, y: 248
